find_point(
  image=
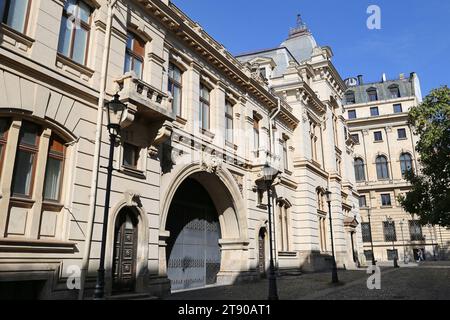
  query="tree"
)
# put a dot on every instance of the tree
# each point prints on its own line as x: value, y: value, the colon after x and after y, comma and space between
x: 429, y: 198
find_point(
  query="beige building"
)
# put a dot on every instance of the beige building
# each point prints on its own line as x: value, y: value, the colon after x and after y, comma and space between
x: 186, y: 211
x: 377, y: 116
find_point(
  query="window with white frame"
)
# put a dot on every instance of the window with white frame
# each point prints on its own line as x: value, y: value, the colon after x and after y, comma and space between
x: 14, y: 13
x: 229, y: 122
x: 134, y: 55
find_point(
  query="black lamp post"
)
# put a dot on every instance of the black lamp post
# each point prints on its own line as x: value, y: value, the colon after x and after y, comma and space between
x: 392, y: 223
x: 269, y: 175
x: 374, y: 262
x: 115, y: 112
x: 334, y: 274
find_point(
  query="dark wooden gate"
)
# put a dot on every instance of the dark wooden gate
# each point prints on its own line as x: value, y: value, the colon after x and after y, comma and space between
x: 125, y: 252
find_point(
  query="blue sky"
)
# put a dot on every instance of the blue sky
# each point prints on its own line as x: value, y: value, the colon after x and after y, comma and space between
x: 414, y: 35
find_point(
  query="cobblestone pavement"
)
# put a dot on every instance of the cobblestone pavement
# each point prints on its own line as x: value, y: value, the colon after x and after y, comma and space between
x: 429, y: 281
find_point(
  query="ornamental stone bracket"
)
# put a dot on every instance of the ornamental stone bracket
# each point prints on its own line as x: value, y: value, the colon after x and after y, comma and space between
x: 133, y: 198
x: 163, y: 134
x: 211, y: 163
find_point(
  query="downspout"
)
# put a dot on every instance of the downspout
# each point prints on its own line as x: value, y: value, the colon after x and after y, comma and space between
x: 96, y: 162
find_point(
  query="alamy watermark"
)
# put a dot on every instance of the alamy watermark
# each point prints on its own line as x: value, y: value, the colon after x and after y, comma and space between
x: 374, y: 20
x: 374, y: 281
x: 74, y: 279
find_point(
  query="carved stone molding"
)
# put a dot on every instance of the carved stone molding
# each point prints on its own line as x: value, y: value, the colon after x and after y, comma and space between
x: 133, y: 198
x: 211, y: 163
x: 164, y: 134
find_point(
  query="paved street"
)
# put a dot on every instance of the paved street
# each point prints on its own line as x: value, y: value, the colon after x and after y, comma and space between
x: 430, y: 281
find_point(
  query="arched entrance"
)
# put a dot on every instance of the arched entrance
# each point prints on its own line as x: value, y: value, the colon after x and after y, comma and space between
x: 193, y: 250
x: 125, y: 252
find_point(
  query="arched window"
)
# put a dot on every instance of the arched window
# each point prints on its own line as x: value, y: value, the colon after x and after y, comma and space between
x: 406, y: 163
x: 373, y: 94
x: 382, y: 168
x: 360, y: 174
x: 350, y: 97
x: 394, y: 92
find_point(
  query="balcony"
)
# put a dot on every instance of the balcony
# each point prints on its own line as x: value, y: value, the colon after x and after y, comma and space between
x: 144, y: 99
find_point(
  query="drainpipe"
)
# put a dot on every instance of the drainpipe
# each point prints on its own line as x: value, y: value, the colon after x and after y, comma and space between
x: 272, y: 121
x: 96, y: 162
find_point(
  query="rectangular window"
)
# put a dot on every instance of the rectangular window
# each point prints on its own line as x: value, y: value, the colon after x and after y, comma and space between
x: 374, y: 112
x: 392, y: 254
x: 74, y: 31
x: 228, y: 122
x: 204, y: 107
x: 25, y: 160
x: 398, y: 108
x: 131, y: 156
x: 285, y: 155
x: 365, y: 229
x: 54, y: 170
x: 401, y: 133
x: 362, y: 202
x: 352, y: 114
x: 378, y: 136
x: 14, y: 13
x: 256, y: 133
x: 415, y: 230
x: 355, y: 138
x: 386, y: 200
x: 4, y: 126
x: 175, y: 88
x: 390, y: 234
x: 134, y: 55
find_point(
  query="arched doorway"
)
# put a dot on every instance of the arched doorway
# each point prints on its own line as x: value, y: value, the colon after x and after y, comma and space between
x: 125, y: 252
x: 193, y: 250
x: 262, y: 261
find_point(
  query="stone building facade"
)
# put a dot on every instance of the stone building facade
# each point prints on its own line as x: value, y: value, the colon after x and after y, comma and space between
x: 377, y: 116
x: 186, y: 210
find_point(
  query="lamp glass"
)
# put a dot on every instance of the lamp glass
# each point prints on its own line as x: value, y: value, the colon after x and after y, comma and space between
x: 115, y: 111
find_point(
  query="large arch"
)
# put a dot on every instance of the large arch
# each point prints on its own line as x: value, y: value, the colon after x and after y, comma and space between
x: 231, y: 211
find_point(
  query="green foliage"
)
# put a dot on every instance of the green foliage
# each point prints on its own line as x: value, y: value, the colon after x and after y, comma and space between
x: 429, y: 198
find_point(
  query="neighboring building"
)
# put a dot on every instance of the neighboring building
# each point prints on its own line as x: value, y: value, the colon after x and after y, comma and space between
x: 377, y: 116
x: 186, y: 211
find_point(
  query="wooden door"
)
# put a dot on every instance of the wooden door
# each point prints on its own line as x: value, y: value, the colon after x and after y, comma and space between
x: 125, y: 252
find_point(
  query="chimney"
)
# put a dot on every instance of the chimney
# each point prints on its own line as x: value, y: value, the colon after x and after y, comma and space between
x: 402, y: 76
x: 360, y: 80
x: 383, y: 78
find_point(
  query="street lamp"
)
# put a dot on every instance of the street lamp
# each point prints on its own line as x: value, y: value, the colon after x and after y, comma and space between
x: 392, y: 223
x: 403, y: 240
x: 374, y: 262
x: 334, y: 273
x: 115, y: 111
x: 269, y: 175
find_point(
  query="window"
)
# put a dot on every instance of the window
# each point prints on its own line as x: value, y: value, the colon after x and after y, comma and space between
x: 134, y: 55
x: 321, y: 200
x: 394, y: 92
x: 14, y: 13
x: 204, y: 107
x: 392, y: 254
x: 283, y: 228
x: 26, y: 160
x: 355, y: 138
x: 74, y: 37
x: 415, y: 230
x: 131, y: 155
x: 378, y: 136
x: 401, y: 133
x: 382, y: 168
x: 362, y: 202
x: 366, y: 235
x: 406, y: 163
x: 350, y: 97
x: 372, y: 94
x: 314, y: 139
x: 176, y: 88
x: 352, y: 114
x: 360, y: 174
x: 229, y: 121
x: 386, y: 200
x: 263, y: 73
x: 256, y: 133
x: 398, y: 108
x: 54, y: 170
x: 323, y: 233
x: 374, y: 112
x: 285, y: 154
x: 389, y: 231
x: 4, y: 126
